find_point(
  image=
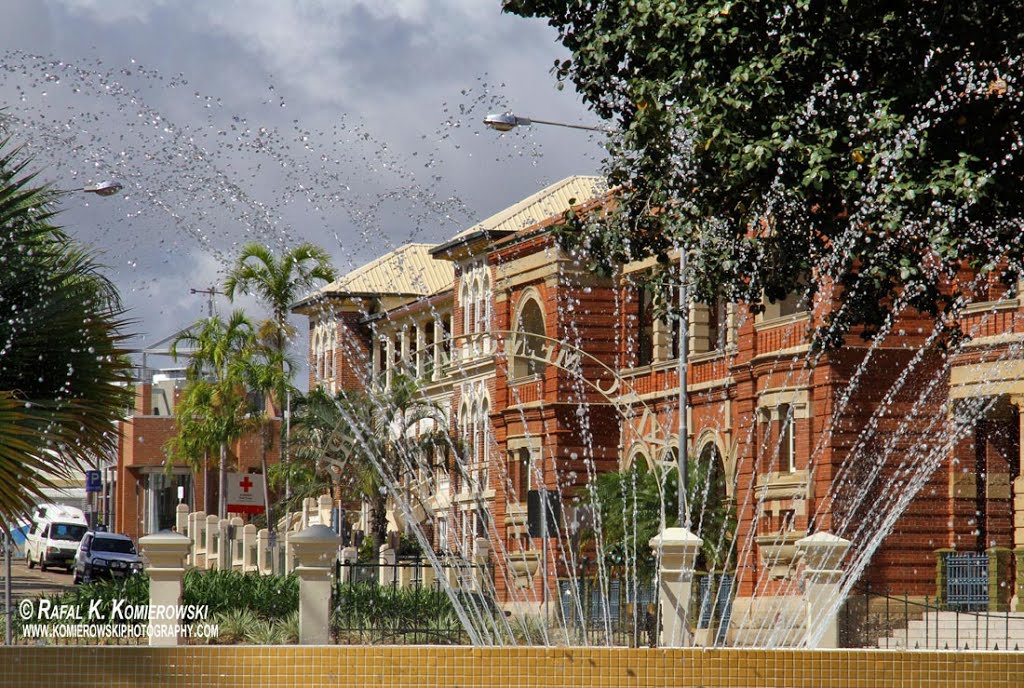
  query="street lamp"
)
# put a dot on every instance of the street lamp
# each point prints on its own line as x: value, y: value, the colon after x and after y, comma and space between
x: 108, y: 188
x: 508, y: 121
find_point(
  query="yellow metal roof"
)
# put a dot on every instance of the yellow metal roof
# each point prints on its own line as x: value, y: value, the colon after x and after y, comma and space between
x: 552, y: 200
x: 409, y: 269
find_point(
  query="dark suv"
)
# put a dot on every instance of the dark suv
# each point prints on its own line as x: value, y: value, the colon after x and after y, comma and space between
x: 106, y: 555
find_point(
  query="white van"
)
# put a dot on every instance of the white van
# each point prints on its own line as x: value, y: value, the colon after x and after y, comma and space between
x: 54, y: 536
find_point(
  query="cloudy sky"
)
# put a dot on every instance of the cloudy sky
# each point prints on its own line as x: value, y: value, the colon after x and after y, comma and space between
x: 353, y: 124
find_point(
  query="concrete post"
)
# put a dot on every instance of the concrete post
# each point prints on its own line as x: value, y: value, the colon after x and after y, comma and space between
x: 211, y: 541
x: 349, y: 556
x: 263, y: 563
x: 223, y: 545
x: 197, y: 533
x: 181, y: 519
x: 677, y: 550
x: 822, y: 555
x: 481, y: 555
x: 237, y: 558
x: 388, y: 570
x: 315, y: 549
x: 324, y: 506
x: 165, y: 554
x: 249, y: 548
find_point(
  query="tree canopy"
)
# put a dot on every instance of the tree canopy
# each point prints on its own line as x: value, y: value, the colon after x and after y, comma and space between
x: 63, y: 376
x: 870, y: 146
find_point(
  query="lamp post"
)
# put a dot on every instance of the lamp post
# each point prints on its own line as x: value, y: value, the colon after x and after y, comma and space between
x: 506, y: 121
x: 108, y: 188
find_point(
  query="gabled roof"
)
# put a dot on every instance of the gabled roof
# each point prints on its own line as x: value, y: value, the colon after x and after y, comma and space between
x: 551, y: 200
x: 409, y: 270
x: 413, y: 271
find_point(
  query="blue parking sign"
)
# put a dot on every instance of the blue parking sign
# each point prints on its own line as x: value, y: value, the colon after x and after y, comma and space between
x: 93, y: 483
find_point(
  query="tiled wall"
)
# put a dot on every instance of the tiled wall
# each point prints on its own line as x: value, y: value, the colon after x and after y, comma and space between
x: 463, y: 667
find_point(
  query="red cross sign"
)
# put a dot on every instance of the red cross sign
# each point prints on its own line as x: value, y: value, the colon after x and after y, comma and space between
x: 245, y: 493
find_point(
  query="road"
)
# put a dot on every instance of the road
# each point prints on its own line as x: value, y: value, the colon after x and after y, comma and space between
x: 27, y: 582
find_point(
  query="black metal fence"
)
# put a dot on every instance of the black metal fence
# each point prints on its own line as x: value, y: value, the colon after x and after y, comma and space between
x: 874, y: 618
x: 608, y: 612
x: 406, y: 602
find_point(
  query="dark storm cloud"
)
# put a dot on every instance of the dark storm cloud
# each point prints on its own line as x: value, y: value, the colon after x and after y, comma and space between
x: 352, y: 124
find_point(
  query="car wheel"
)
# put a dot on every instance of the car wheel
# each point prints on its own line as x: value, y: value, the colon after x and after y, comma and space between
x: 31, y: 562
x: 76, y: 579
x: 69, y: 569
x: 42, y: 566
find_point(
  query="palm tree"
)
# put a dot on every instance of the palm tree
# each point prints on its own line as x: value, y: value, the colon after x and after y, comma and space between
x: 216, y: 408
x: 278, y: 283
x: 371, y: 440
x: 64, y: 378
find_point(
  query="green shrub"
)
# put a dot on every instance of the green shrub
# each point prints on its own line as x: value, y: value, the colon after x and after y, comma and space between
x: 268, y: 597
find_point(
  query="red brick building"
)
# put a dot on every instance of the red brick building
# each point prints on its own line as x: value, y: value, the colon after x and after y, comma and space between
x: 146, y: 491
x: 551, y: 375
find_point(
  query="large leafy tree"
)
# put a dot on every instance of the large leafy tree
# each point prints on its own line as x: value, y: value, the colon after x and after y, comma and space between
x: 630, y: 504
x: 278, y: 282
x: 872, y: 145
x: 63, y: 376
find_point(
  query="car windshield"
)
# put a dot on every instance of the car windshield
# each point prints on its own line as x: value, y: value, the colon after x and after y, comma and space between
x: 116, y: 545
x: 67, y: 531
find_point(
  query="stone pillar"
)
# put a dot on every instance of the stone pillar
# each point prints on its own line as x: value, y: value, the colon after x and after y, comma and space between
x: 677, y: 549
x: 349, y: 556
x: 181, y: 519
x: 1000, y: 559
x: 1019, y: 594
x: 165, y: 554
x: 941, y: 575
x: 211, y: 541
x: 822, y: 555
x: 237, y: 543
x: 481, y: 556
x: 325, y: 505
x: 250, y: 549
x: 1017, y: 495
x: 197, y: 532
x: 315, y: 547
x: 388, y: 570
x: 223, y: 545
x: 264, y: 564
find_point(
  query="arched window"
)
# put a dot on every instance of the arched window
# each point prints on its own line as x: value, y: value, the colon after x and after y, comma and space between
x: 528, y: 345
x: 467, y: 306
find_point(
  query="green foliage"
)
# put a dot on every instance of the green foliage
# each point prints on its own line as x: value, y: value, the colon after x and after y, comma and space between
x: 871, y: 144
x: 270, y: 598
x: 631, y: 503
x: 384, y: 614
x: 63, y: 375
x: 365, y: 440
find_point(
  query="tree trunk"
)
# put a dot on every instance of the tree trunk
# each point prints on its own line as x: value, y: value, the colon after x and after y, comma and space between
x: 222, y: 508
x: 271, y: 526
x: 379, y: 520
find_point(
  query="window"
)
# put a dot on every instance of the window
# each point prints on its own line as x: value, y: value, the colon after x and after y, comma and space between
x: 645, y: 329
x: 528, y: 345
x: 787, y: 460
x: 442, y: 534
